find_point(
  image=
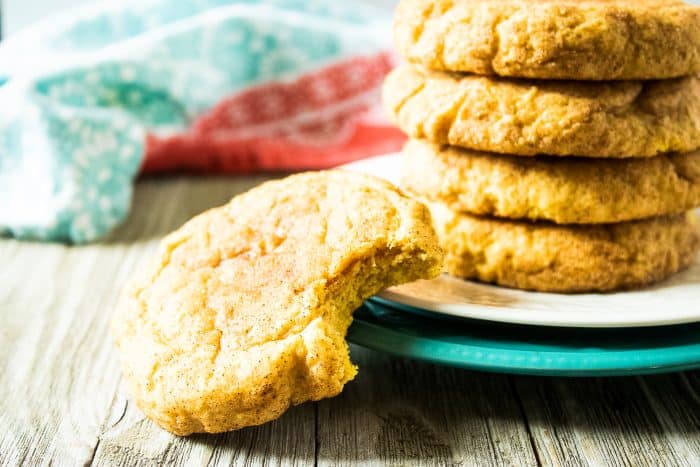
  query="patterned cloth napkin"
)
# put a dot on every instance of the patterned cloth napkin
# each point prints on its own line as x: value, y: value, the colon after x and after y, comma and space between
x: 91, y: 99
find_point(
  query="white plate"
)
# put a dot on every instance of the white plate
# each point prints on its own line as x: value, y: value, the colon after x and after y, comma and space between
x: 674, y: 301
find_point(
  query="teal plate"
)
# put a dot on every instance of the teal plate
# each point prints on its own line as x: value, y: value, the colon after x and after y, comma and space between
x: 534, y: 350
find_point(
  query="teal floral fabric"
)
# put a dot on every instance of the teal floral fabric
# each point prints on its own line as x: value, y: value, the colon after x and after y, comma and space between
x: 80, y: 93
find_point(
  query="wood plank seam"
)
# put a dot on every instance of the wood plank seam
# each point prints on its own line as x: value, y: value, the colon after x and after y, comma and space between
x: 526, y: 421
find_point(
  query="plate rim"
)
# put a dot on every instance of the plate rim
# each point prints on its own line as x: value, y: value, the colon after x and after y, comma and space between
x: 529, y: 317
x: 527, y: 362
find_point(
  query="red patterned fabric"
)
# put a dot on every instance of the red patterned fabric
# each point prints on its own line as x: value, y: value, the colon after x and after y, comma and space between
x: 322, y: 119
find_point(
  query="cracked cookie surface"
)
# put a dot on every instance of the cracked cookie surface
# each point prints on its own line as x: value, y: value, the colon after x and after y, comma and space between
x: 563, y: 190
x: 552, y: 39
x: 560, y: 118
x: 562, y: 258
x: 244, y: 310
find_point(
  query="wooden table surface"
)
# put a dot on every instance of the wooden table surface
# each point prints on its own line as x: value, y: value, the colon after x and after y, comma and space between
x: 62, y: 399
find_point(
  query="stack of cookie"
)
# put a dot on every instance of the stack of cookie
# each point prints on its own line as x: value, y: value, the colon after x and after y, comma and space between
x: 556, y: 142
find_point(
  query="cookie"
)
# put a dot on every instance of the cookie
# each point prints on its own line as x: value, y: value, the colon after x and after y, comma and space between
x: 244, y: 310
x: 552, y: 39
x: 562, y: 258
x: 566, y: 191
x: 562, y: 118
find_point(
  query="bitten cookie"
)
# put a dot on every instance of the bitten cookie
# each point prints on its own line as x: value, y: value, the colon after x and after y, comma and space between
x: 552, y: 39
x: 244, y: 310
x: 562, y: 118
x: 559, y: 258
x: 566, y: 191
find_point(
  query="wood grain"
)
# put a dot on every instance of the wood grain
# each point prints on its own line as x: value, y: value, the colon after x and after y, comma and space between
x: 599, y: 421
x: 402, y: 412
x: 62, y: 400
x: 675, y: 401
